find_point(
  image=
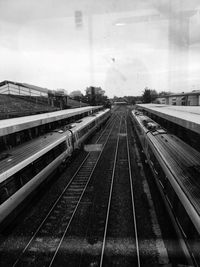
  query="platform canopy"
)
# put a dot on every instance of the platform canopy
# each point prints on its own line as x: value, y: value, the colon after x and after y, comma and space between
x: 185, y: 116
x: 10, y: 126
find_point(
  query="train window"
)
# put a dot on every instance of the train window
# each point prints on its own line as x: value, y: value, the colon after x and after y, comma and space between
x: 3, y: 194
x: 57, y: 151
x: 82, y: 132
x: 157, y: 167
x: 161, y: 174
x: 171, y: 194
x: 62, y: 147
x: 151, y: 155
x: 49, y: 157
x: 39, y: 164
x: 26, y: 174
x: 189, y: 229
x: 162, y: 177
x: 12, y: 185
x: 92, y: 124
x: 185, y: 221
x: 78, y: 136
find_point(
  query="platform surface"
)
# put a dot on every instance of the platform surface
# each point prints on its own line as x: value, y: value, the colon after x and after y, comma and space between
x: 185, y: 116
x: 13, y: 125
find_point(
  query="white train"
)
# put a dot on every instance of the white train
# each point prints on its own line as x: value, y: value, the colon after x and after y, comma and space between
x: 176, y: 169
x: 29, y: 165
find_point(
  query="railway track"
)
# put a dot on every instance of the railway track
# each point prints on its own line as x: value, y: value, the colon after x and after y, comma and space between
x: 41, y: 250
x: 104, y: 238
x: 94, y: 221
x: 121, y: 176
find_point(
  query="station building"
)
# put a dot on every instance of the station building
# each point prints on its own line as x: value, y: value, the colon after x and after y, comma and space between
x: 182, y: 121
x: 182, y: 99
x: 24, y: 89
x: 39, y: 94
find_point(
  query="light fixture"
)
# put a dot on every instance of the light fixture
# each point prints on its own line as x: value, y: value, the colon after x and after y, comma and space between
x: 120, y: 24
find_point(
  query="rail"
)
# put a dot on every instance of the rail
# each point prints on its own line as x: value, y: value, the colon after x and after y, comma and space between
x: 119, y: 148
x: 67, y: 203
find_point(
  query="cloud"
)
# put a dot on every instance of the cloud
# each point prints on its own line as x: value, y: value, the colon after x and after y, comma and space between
x: 40, y: 43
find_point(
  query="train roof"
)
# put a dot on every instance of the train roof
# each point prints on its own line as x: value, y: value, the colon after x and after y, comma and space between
x: 79, y: 125
x: 187, y: 168
x: 185, y: 116
x: 24, y: 153
x: 148, y: 124
x: 13, y: 125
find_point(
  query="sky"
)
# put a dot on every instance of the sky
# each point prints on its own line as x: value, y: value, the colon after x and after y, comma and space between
x: 121, y: 45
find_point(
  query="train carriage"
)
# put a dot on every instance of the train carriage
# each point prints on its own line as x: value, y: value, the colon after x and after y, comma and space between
x: 29, y: 165
x: 176, y: 178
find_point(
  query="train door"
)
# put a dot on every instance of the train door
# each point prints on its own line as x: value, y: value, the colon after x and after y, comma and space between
x: 75, y: 140
x: 69, y: 146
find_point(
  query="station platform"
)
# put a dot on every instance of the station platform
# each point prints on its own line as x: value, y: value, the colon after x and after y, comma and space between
x: 13, y: 125
x: 16, y: 131
x: 185, y: 116
x: 183, y: 121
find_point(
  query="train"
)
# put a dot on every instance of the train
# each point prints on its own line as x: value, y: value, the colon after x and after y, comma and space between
x: 30, y: 164
x: 176, y: 171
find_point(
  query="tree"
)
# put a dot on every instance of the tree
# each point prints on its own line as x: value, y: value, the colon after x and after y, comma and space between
x: 95, y: 96
x: 75, y: 93
x: 149, y: 95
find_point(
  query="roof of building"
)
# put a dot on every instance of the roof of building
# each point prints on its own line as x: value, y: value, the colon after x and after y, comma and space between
x: 34, y: 87
x: 185, y: 116
x: 37, y: 88
x: 9, y: 126
x: 194, y: 92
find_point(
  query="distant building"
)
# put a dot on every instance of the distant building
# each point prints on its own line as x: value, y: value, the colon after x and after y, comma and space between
x: 52, y: 97
x: 181, y: 99
x: 24, y: 89
x: 95, y: 95
x: 121, y: 101
x: 94, y: 90
x: 62, y: 92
